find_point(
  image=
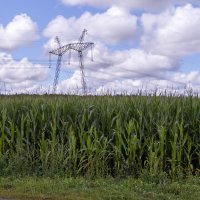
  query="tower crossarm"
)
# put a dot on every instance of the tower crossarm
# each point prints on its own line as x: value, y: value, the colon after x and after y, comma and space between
x: 74, y: 46
x: 81, y: 46
x: 61, y: 50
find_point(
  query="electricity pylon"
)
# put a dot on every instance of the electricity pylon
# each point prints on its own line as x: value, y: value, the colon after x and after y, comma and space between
x: 61, y: 50
x: 80, y: 47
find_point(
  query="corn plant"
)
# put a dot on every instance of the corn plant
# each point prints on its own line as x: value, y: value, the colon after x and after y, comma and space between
x: 100, y: 135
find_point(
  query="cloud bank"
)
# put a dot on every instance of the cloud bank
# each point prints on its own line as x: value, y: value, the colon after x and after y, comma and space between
x: 155, y: 62
x: 152, y: 5
x: 20, y: 75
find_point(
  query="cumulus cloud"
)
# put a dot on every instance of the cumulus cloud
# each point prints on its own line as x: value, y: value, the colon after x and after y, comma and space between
x: 134, y: 4
x: 174, y: 32
x: 129, y: 70
x: 165, y: 39
x: 111, y: 27
x: 18, y: 75
x: 20, y: 31
x: 173, y: 81
x: 130, y: 62
x: 119, y: 63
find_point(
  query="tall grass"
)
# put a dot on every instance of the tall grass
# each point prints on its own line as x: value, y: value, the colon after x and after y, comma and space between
x: 99, y: 136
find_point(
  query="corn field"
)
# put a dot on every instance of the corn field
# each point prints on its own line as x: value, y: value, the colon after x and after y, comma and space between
x: 99, y: 135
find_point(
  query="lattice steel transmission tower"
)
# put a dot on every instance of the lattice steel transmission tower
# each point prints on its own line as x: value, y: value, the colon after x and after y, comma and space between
x: 60, y: 51
x: 79, y: 47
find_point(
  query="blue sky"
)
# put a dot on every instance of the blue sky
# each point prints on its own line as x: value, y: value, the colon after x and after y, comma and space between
x: 138, y: 43
x: 41, y: 12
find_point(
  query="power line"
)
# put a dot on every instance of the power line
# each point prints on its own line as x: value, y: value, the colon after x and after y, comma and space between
x: 28, y: 68
x: 109, y: 73
x: 124, y: 77
x: 45, y: 62
x: 113, y: 74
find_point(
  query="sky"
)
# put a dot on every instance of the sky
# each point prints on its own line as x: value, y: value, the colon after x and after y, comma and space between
x: 139, y: 45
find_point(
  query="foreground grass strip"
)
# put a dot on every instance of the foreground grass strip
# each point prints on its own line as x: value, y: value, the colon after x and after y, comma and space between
x: 82, y: 189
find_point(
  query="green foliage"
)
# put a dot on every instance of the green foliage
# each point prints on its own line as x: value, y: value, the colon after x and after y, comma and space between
x: 157, y: 187
x: 100, y: 136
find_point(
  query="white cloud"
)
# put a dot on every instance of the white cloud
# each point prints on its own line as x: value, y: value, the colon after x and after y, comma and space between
x: 129, y: 70
x: 70, y: 85
x: 165, y: 40
x: 130, y: 4
x: 18, y: 75
x: 173, y: 33
x: 173, y: 81
x: 20, y: 31
x: 128, y: 63
x: 113, y: 26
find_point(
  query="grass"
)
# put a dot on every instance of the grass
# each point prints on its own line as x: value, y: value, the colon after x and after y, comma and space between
x: 98, y: 189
